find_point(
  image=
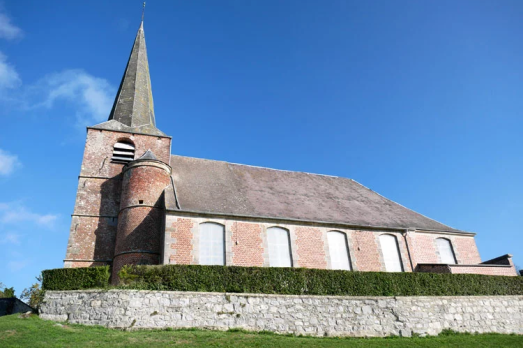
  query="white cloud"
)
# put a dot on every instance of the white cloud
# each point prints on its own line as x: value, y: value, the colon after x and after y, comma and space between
x: 90, y: 95
x: 10, y: 238
x: 13, y: 213
x: 9, y: 78
x: 8, y: 162
x: 7, y: 30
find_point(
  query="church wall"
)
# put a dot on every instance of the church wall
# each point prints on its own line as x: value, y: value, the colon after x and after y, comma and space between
x: 93, y: 228
x: 467, y: 250
x: 92, y: 239
x: 424, y: 248
x: 246, y: 244
x: 99, y: 150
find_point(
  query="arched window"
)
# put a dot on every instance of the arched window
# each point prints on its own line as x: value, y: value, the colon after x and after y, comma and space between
x: 212, y: 244
x: 391, y: 253
x: 338, y: 250
x: 279, y: 247
x: 446, y: 254
x: 123, y: 152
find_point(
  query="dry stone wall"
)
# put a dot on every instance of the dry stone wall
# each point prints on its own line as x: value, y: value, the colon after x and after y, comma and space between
x: 308, y: 315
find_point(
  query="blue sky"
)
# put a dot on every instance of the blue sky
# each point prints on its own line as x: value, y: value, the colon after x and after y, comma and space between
x: 420, y: 101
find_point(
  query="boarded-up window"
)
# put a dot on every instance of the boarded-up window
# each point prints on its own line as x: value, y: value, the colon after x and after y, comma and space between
x: 446, y: 254
x: 338, y: 250
x: 279, y: 247
x: 390, y: 252
x: 123, y: 152
x: 212, y: 244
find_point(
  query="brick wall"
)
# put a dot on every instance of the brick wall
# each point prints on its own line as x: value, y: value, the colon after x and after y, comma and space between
x: 310, y: 247
x: 93, y: 227
x: 424, y: 249
x: 247, y: 244
x: 366, y: 253
x: 486, y: 270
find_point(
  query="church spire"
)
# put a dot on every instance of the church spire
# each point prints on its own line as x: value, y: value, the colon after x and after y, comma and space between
x: 133, y: 108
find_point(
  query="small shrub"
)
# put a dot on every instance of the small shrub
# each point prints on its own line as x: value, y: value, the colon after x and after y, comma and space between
x: 76, y: 278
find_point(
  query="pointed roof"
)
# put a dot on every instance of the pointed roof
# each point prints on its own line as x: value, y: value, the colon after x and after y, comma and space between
x: 148, y: 155
x: 133, y: 109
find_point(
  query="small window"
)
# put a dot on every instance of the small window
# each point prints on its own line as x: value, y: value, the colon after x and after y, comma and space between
x: 446, y: 254
x: 391, y: 253
x: 279, y: 247
x: 123, y: 152
x: 338, y: 250
x: 212, y: 244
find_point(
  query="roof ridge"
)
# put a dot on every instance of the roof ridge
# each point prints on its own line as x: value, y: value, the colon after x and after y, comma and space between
x: 261, y: 167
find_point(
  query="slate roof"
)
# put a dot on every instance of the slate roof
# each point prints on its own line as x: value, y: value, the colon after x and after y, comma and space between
x: 218, y: 187
x: 133, y: 108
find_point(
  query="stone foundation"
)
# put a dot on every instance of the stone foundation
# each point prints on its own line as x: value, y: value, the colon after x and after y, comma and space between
x: 308, y: 315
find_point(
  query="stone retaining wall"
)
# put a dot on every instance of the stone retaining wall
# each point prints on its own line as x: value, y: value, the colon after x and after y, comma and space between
x: 308, y: 315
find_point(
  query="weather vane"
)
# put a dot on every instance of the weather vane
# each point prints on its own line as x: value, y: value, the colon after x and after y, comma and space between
x: 143, y: 10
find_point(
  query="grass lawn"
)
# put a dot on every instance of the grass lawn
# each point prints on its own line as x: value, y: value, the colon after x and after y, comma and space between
x: 34, y: 332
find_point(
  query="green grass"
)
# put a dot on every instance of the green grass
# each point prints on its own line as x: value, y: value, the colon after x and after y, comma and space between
x: 35, y: 332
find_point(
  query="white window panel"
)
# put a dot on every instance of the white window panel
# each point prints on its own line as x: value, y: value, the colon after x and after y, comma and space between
x: 212, y: 244
x: 446, y: 253
x: 338, y: 250
x: 279, y: 247
x: 391, y: 255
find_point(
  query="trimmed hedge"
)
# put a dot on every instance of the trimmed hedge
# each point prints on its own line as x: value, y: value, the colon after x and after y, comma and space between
x: 76, y: 278
x: 303, y: 281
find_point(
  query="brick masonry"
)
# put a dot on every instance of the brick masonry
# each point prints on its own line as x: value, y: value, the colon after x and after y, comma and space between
x: 95, y: 217
x: 307, y: 315
x: 246, y: 245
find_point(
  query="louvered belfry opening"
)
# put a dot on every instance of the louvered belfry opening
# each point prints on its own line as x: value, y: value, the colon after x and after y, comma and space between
x: 123, y: 152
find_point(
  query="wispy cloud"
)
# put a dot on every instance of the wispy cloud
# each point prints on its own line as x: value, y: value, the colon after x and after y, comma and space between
x: 8, y: 163
x: 8, y: 30
x: 15, y: 212
x: 91, y: 96
x: 9, y: 78
x: 10, y: 238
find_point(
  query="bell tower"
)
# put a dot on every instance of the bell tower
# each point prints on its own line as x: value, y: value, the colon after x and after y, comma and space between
x: 116, y: 196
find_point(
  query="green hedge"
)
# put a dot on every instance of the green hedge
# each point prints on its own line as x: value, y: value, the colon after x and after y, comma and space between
x: 298, y: 281
x: 75, y: 278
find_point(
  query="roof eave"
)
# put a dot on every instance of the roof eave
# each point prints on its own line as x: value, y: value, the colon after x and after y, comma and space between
x: 326, y: 223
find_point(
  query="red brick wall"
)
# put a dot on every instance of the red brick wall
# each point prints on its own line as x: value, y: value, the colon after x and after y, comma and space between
x: 422, y: 248
x: 180, y: 230
x: 366, y: 255
x: 466, y: 250
x: 247, y: 244
x: 92, y: 237
x: 310, y: 248
x: 99, y: 150
x: 486, y: 270
x: 307, y: 243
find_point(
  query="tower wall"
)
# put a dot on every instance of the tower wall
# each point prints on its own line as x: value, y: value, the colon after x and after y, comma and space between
x: 95, y: 217
x: 142, y: 213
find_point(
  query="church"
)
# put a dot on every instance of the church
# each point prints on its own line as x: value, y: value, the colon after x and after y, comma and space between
x: 139, y: 204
